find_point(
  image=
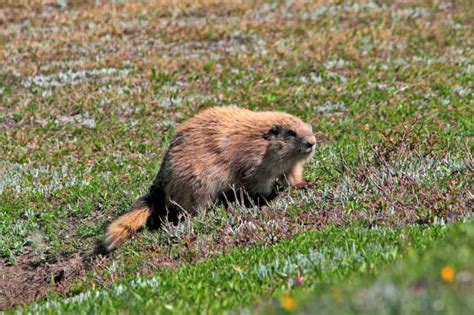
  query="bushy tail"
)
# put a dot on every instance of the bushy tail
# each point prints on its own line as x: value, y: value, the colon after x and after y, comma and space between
x: 121, y: 229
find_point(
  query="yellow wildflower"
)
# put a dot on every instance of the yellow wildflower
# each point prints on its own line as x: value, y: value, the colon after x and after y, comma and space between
x: 287, y: 303
x: 447, y: 274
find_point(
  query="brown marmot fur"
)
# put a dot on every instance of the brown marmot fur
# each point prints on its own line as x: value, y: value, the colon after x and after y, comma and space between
x: 214, y: 154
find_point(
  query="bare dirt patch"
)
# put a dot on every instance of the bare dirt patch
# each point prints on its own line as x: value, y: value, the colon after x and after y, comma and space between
x: 24, y: 281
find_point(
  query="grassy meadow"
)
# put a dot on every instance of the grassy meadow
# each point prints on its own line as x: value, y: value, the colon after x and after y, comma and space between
x: 91, y: 93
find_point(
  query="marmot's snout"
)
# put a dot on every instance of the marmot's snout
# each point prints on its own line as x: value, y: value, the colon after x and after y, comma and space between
x: 308, y: 144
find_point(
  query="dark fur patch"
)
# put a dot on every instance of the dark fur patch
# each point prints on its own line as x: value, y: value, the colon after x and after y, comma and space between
x: 156, y: 200
x: 178, y: 139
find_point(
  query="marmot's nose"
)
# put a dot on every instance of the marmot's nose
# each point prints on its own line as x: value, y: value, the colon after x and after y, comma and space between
x: 309, y: 141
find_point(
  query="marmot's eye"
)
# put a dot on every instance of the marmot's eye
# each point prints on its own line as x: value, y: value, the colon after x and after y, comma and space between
x: 291, y: 133
x: 275, y: 130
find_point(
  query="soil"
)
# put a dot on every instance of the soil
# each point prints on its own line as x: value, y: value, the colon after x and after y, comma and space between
x: 27, y: 281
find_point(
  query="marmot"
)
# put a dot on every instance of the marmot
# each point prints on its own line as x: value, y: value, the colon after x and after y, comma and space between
x: 215, y: 153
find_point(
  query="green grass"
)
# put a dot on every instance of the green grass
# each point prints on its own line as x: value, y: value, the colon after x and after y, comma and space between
x: 90, y: 96
x: 244, y: 276
x: 412, y: 286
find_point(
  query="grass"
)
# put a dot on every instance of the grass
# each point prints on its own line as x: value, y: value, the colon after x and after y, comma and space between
x: 90, y: 96
x: 241, y: 276
x: 438, y: 280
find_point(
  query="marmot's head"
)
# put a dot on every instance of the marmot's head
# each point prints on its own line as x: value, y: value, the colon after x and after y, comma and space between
x: 290, y: 137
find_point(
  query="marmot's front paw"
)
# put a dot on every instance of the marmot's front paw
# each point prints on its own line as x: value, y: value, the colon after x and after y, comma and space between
x: 304, y: 185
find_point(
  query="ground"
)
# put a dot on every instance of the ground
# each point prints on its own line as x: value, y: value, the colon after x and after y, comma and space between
x: 91, y: 93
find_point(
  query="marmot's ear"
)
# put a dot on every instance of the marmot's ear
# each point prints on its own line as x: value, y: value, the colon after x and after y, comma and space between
x: 273, y: 132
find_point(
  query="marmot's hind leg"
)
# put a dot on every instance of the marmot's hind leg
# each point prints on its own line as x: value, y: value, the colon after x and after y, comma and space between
x: 159, y: 210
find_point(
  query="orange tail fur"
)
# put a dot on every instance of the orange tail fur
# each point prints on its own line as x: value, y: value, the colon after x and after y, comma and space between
x: 122, y: 229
